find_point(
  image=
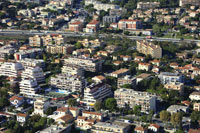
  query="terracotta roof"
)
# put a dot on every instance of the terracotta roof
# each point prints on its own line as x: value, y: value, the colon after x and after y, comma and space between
x: 91, y: 120
x: 75, y: 23
x: 129, y: 20
x: 73, y: 108
x: 194, y: 131
x: 94, y: 22
x: 22, y: 115
x: 140, y: 129
x: 122, y: 70
x: 66, y: 118
x: 62, y: 109
x: 92, y: 113
x: 16, y: 98
x: 146, y: 64
x: 81, y: 117
x: 155, y: 125
x: 100, y: 77
x: 195, y: 93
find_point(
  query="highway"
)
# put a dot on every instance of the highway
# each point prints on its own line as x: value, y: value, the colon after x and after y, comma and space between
x: 75, y: 34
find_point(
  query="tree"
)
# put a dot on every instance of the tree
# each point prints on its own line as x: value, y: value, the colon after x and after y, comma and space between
x: 111, y: 104
x: 137, y: 109
x: 176, y: 119
x: 71, y: 102
x: 78, y: 45
x: 165, y: 116
x: 195, y: 116
x: 98, y: 106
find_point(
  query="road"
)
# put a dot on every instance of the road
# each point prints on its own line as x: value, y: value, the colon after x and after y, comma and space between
x: 68, y: 34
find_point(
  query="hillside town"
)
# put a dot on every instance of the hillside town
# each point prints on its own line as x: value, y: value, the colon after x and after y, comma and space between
x: 99, y: 66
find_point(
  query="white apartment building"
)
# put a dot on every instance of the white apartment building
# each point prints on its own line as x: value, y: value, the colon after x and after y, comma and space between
x: 11, y: 69
x: 130, y: 97
x: 27, y: 62
x: 167, y: 77
x: 72, y: 83
x: 72, y: 70
x: 148, y: 5
x: 28, y: 87
x: 88, y: 64
x: 96, y: 92
x: 34, y: 73
x: 40, y: 106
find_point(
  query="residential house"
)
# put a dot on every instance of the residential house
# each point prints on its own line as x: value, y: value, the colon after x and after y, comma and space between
x: 177, y: 108
x: 119, y: 73
x: 126, y: 80
x: 22, y: 117
x: 66, y: 119
x: 40, y: 106
x: 196, y: 106
x: 139, y: 129
x: 154, y: 128
x: 144, y: 66
x: 76, y: 26
x: 16, y: 100
x: 195, y: 96
x: 93, y: 26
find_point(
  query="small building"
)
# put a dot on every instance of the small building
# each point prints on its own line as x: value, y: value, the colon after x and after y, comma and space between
x: 119, y: 73
x: 22, y: 117
x: 196, y: 106
x: 66, y: 119
x: 140, y: 130
x: 195, y: 96
x: 177, y: 108
x: 16, y: 100
x: 154, y: 128
x: 144, y: 66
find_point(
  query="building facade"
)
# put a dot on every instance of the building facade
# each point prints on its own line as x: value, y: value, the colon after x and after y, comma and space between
x: 130, y: 97
x: 148, y: 48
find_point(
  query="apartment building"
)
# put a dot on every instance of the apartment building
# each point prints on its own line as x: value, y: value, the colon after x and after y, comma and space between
x: 175, y: 86
x: 144, y: 66
x: 126, y: 80
x: 119, y: 73
x: 27, y: 62
x: 40, y: 106
x: 168, y: 77
x: 88, y: 64
x: 93, y: 43
x: 35, y: 41
x: 28, y: 53
x: 96, y: 92
x: 56, y: 39
x: 11, y: 69
x: 34, y: 73
x: 72, y: 70
x: 114, y: 127
x: 93, y: 26
x: 128, y: 24
x: 93, y: 115
x: 130, y: 97
x: 28, y: 87
x: 84, y: 123
x: 148, y: 48
x: 189, y: 2
x: 73, y: 83
x: 147, y: 5
x: 59, y: 49
x: 76, y: 26
x: 26, y: 1
x: 6, y: 50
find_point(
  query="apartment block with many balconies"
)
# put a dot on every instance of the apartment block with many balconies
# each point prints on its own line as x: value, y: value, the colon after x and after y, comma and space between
x: 73, y: 70
x: 148, y: 5
x: 88, y: 64
x: 40, y: 106
x: 11, y: 69
x: 148, y: 48
x: 126, y: 80
x: 96, y: 92
x: 27, y: 62
x: 146, y: 100
x: 72, y: 83
x: 28, y: 87
x: 34, y: 73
